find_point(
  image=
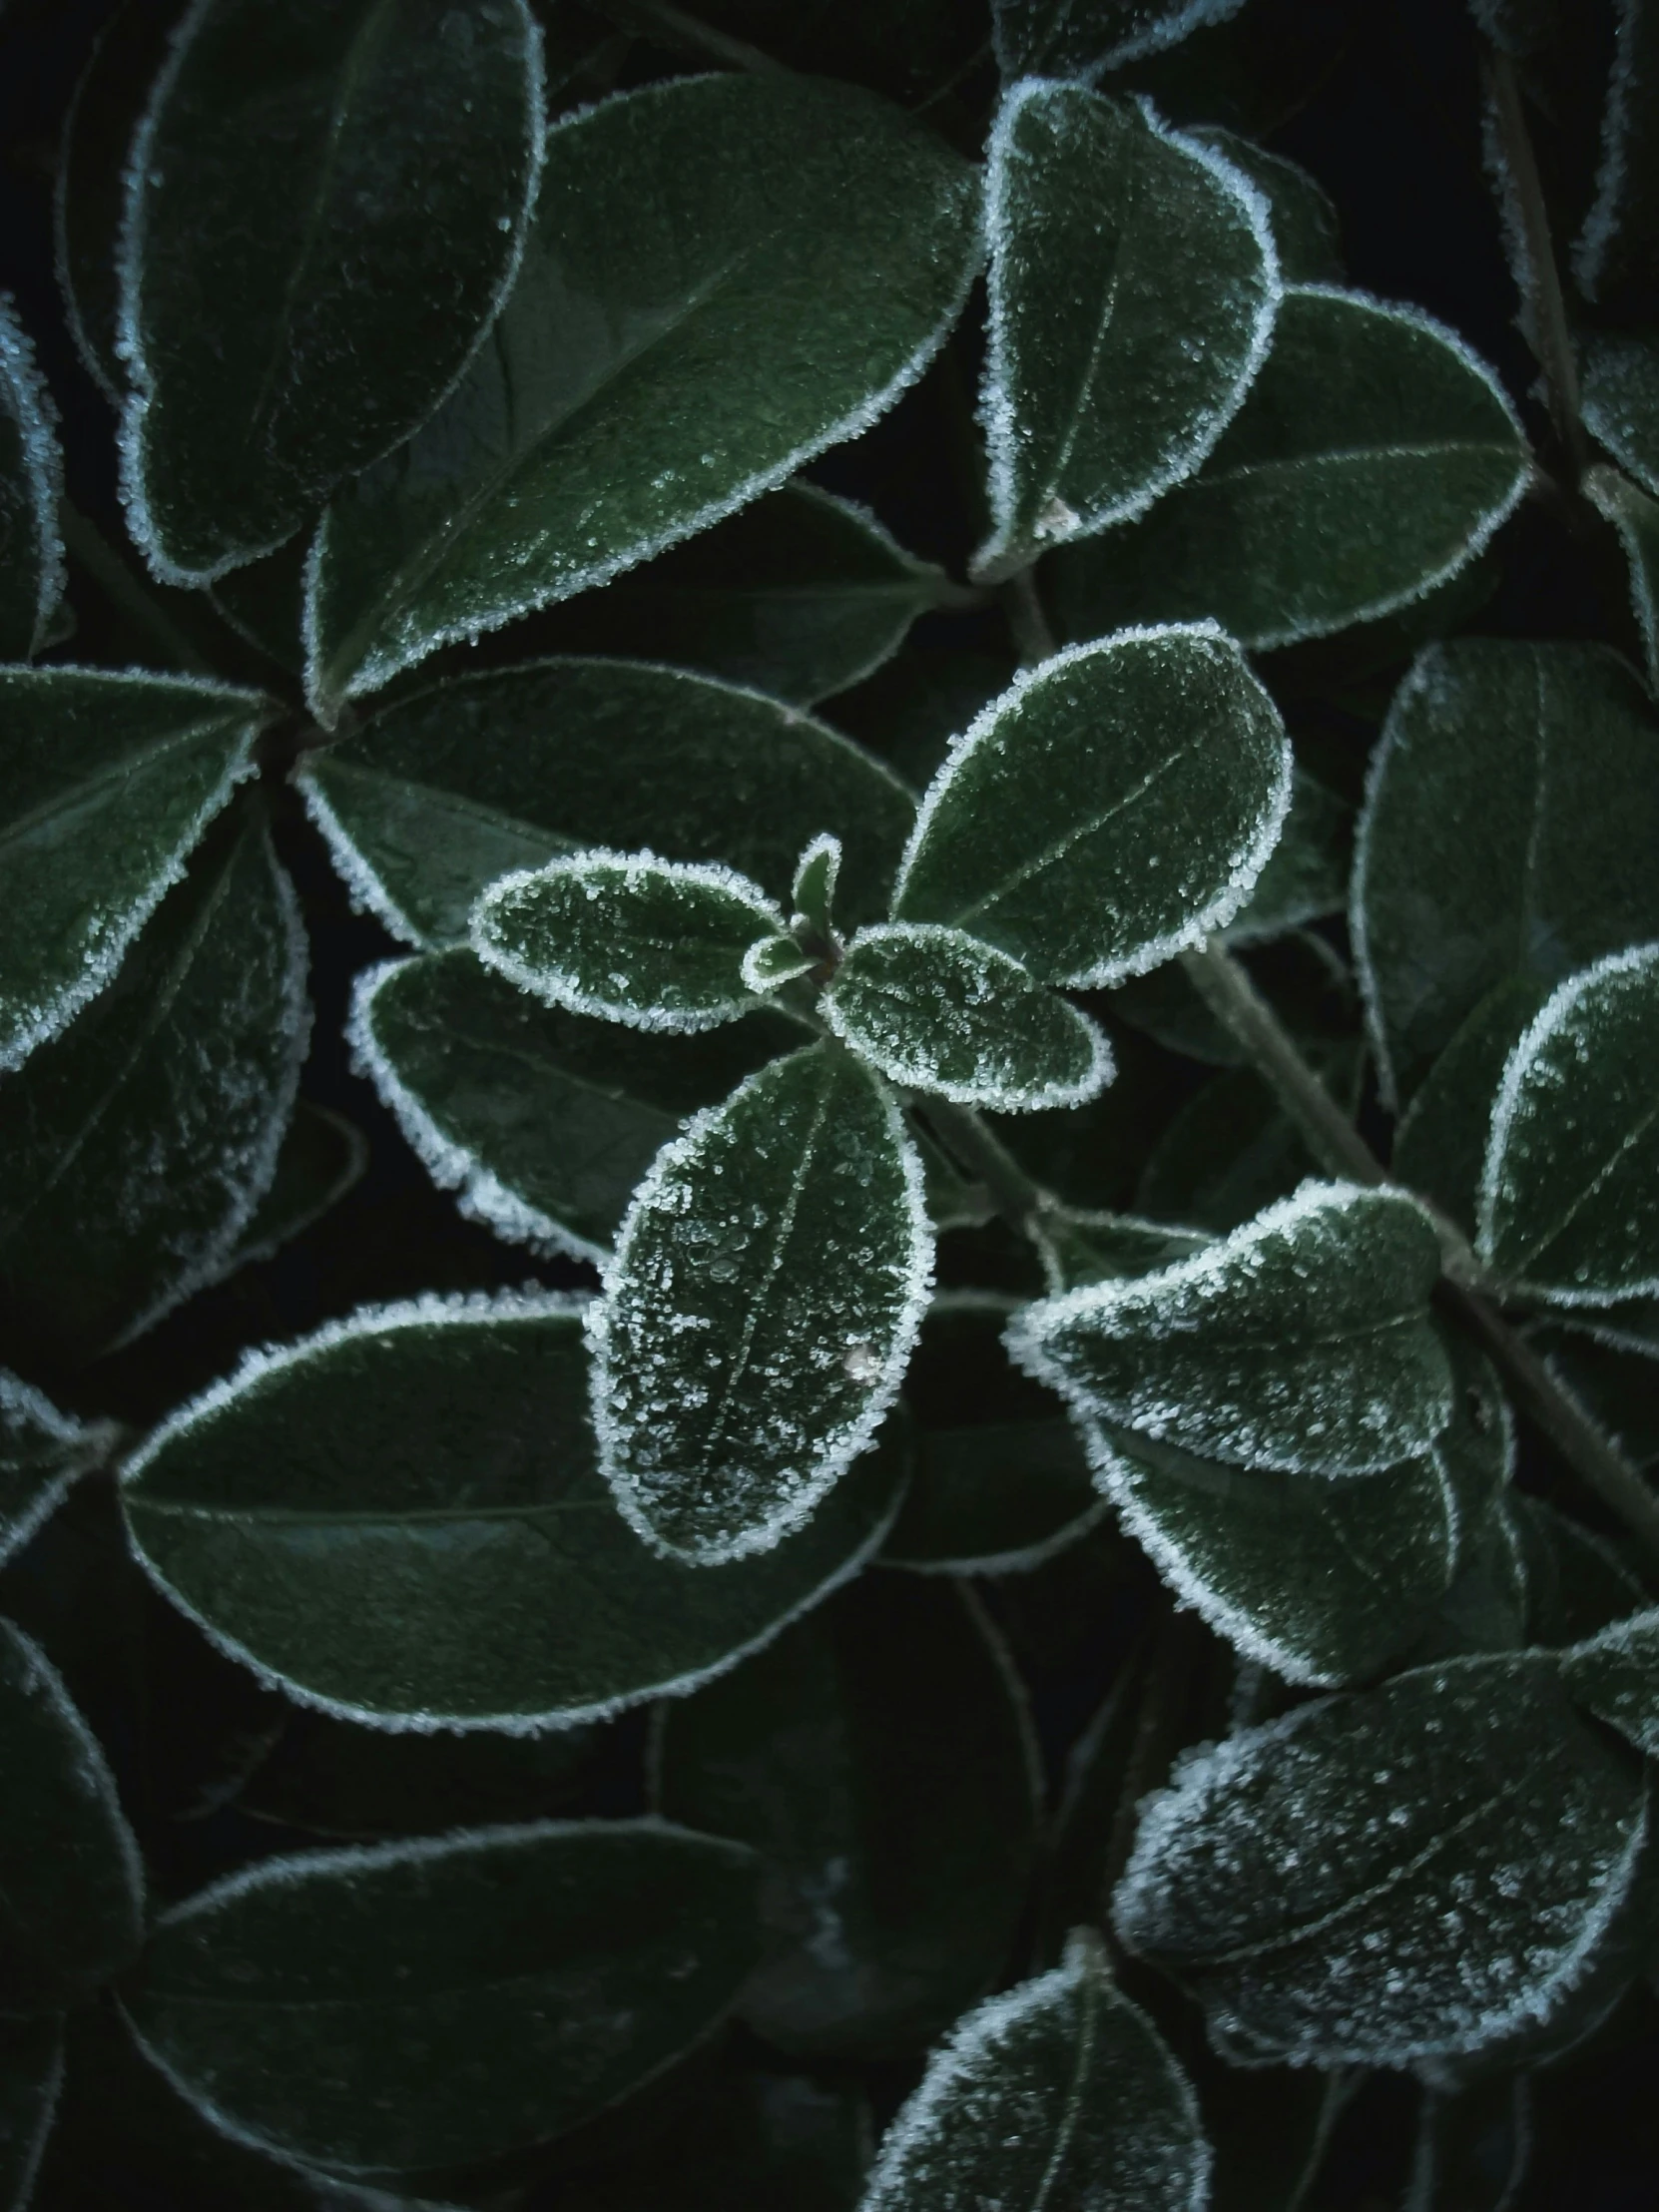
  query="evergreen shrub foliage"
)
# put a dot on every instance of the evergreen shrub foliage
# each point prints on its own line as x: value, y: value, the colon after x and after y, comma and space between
x: 829, y: 1363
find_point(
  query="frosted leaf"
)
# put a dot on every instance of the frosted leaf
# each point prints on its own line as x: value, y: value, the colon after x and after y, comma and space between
x: 1613, y: 256
x: 880, y: 1760
x: 1507, y: 833
x: 1085, y: 38
x: 1621, y: 402
x: 1373, y: 459
x: 1411, y: 1872
x: 32, y: 574
x: 1115, y: 804
x: 660, y: 361
x: 1059, y: 2097
x: 1301, y: 215
x: 1615, y: 1675
x: 401, y: 1521
x: 1078, y: 1245
x: 817, y: 873
x: 31, y: 2083
x: 454, y: 786
x: 936, y: 1010
x: 1635, y: 516
x: 1303, y: 1342
x: 1133, y: 288
x: 1306, y: 873
x: 42, y: 1452
x: 307, y: 183
x: 1577, y: 1583
x: 323, y: 1156
x: 1569, y: 1197
x: 624, y: 937
x: 107, y: 783
x: 503, y: 1986
x: 70, y: 1869
x: 771, y: 962
x: 1439, y: 1144
x: 136, y: 1147
x: 768, y: 1285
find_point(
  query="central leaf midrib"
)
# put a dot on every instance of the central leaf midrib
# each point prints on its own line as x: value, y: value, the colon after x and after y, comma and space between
x: 1244, y: 472
x: 21, y: 827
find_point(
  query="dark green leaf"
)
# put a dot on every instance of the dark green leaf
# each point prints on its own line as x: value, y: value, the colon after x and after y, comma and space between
x: 1409, y: 1874
x: 1611, y: 1372
x: 1635, y: 516
x: 1569, y: 1198
x: 126, y: 771
x: 1615, y: 1675
x: 1133, y: 288
x: 1303, y: 1342
x: 1621, y: 402
x: 542, y: 1121
x: 1117, y: 804
x: 799, y: 595
x: 458, y: 784
x: 1615, y: 257
x: 1300, y: 212
x: 1308, y: 870
x: 1000, y: 1481
x: 323, y: 1156
x: 1509, y: 831
x: 768, y: 1285
x: 71, y: 1882
x: 326, y: 208
x: 400, y: 1520
x: 41, y: 1454
x: 656, y: 944
x: 264, y: 603
x: 31, y: 2077
x: 1078, y: 1247
x: 724, y: 276
x: 31, y: 484
x: 910, y: 710
x: 1059, y: 2097
x: 1233, y: 1150
x: 879, y: 1759
x: 1440, y: 1142
x: 434, y: 2003
x: 1084, y: 37
x: 1576, y: 1584
x: 936, y: 1010
x: 134, y: 1148
x: 1372, y: 459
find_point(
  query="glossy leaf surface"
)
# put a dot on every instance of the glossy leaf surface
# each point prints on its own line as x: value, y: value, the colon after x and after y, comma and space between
x: 654, y: 944
x: 1301, y: 1343
x: 1507, y: 833
x: 542, y: 1121
x: 135, y: 1147
x: 769, y: 1282
x: 1569, y: 1201
x: 31, y: 484
x: 1059, y: 2097
x: 1133, y: 288
x: 799, y: 595
x: 71, y: 1882
x: 1084, y: 37
x: 42, y: 1451
x: 1000, y: 1482
x: 400, y: 1520
x: 428, y: 2005
x: 1372, y: 459
x: 1040, y: 831
x: 879, y: 1759
x: 106, y: 783
x: 457, y: 785
x: 1402, y: 1875
x: 724, y: 276
x: 936, y: 1010
x: 324, y: 211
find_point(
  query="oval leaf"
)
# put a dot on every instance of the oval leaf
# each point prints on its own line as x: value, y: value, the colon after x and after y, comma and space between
x: 1059, y: 2097
x: 134, y: 1148
x: 31, y: 484
x: 1508, y: 831
x: 656, y: 944
x: 1621, y: 402
x: 1300, y: 212
x: 1569, y: 1198
x: 1303, y: 1342
x: 879, y: 1760
x: 1133, y: 288
x: 1615, y: 1676
x: 499, y: 1987
x: 1116, y: 804
x: 106, y: 783
x: 1409, y: 1874
x: 664, y: 357
x: 71, y: 1882
x: 400, y: 1520
x: 1613, y: 256
x: 936, y: 1010
x: 1372, y: 460
x: 543, y: 1122
x: 1085, y: 38
x: 457, y: 785
x: 767, y: 1290
x: 325, y: 205
x: 41, y: 1454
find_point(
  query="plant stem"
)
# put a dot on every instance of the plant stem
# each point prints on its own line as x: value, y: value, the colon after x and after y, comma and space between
x: 87, y: 545
x: 661, y: 20
x: 1551, y: 336
x: 1026, y: 617
x: 1018, y: 1199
